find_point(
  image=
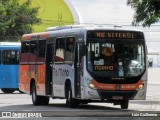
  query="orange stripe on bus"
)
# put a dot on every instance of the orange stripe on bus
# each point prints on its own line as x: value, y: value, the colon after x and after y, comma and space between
x: 26, y: 37
x: 31, y: 36
x: 103, y: 86
x: 124, y: 87
x: 131, y: 86
x: 44, y: 35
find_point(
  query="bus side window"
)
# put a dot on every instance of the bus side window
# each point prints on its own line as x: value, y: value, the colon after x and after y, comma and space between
x: 14, y: 57
x: 33, y: 51
x: 25, y: 51
x: 10, y: 57
x: 60, y: 48
x: 6, y: 56
x: 41, y: 50
x: 69, y: 53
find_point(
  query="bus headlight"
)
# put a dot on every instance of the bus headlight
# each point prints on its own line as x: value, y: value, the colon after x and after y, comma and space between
x: 92, y: 86
x: 141, y: 87
x: 90, y: 83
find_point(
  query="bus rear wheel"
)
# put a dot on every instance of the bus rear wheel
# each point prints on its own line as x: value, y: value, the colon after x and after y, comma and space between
x: 5, y: 90
x: 124, y: 104
x: 38, y: 100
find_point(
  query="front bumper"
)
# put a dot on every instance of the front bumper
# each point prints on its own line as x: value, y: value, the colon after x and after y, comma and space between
x: 117, y: 95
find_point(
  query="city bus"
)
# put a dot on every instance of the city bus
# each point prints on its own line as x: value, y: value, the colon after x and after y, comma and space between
x: 9, y: 66
x: 84, y: 64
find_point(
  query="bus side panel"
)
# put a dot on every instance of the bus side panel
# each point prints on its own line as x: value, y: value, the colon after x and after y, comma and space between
x: 35, y: 73
x: 141, y: 94
x: 24, y: 81
x: 41, y: 79
x: 1, y: 78
x: 60, y: 74
x: 88, y: 93
x: 9, y: 76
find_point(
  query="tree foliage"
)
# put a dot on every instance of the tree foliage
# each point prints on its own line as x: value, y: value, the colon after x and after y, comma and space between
x: 147, y: 12
x: 17, y: 18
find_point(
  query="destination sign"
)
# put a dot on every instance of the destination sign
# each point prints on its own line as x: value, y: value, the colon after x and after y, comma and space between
x: 103, y: 68
x: 115, y: 35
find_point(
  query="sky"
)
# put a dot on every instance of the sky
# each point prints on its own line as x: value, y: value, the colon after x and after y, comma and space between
x: 104, y: 11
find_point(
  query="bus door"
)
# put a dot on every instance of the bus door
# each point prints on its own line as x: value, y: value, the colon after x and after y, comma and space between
x: 49, y: 64
x: 78, y: 68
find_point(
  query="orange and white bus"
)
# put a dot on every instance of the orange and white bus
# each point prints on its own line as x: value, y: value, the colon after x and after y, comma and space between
x: 84, y: 64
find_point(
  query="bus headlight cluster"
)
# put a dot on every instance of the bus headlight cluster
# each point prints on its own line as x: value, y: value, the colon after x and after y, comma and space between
x: 92, y: 86
x: 89, y: 83
x: 141, y: 86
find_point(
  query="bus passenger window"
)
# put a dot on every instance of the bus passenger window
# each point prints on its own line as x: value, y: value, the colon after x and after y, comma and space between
x: 10, y: 57
x: 41, y: 50
x: 69, y: 53
x: 6, y: 57
x: 60, y: 48
x: 33, y: 51
x: 25, y: 51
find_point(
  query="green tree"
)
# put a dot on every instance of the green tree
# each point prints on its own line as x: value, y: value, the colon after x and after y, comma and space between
x: 147, y: 12
x: 17, y: 18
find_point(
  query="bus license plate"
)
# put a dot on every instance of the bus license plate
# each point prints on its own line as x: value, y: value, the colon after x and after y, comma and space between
x: 117, y: 97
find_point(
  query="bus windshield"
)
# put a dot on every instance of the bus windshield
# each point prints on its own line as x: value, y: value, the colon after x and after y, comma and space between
x: 115, y: 59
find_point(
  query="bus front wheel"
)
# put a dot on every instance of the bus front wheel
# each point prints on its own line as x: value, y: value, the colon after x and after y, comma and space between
x: 70, y: 101
x: 38, y: 100
x: 124, y: 104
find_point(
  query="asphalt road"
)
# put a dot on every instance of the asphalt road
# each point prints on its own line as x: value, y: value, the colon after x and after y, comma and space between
x: 20, y: 105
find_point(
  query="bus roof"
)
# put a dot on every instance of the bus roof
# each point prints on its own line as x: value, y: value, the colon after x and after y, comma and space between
x: 41, y: 35
x: 72, y: 28
x: 90, y: 27
x: 10, y: 43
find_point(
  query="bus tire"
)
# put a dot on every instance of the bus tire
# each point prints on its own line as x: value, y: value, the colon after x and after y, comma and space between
x: 44, y: 100
x: 5, y: 90
x: 70, y: 101
x: 84, y: 102
x: 124, y: 104
x: 35, y: 98
x: 38, y: 100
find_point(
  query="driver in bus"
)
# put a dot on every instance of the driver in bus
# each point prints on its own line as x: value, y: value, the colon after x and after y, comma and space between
x: 108, y: 55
